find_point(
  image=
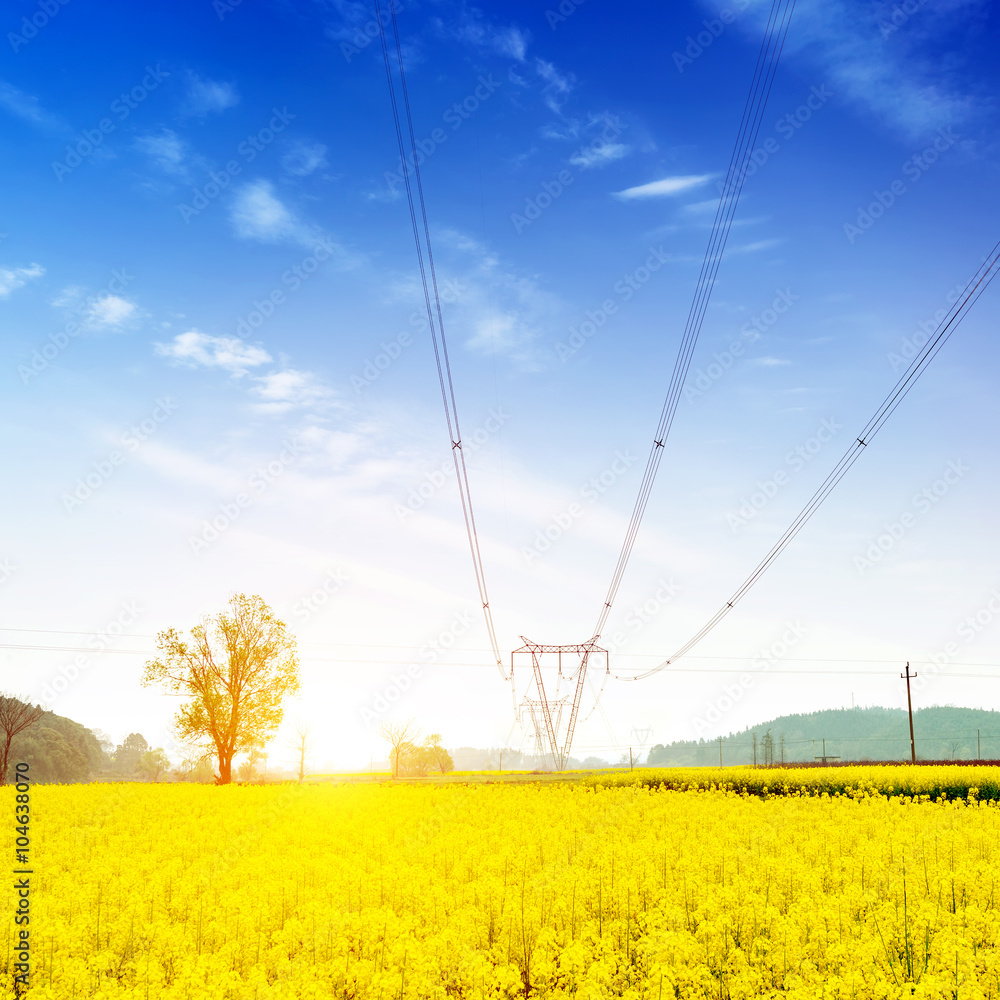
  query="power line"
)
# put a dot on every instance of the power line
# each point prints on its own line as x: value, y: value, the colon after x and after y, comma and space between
x: 980, y: 281
x: 739, y: 162
x: 422, y: 242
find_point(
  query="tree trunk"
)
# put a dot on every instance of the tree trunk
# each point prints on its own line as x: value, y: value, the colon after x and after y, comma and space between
x: 4, y: 762
x: 225, y: 770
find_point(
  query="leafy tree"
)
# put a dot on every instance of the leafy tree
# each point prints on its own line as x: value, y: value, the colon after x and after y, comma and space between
x: 237, y: 669
x: 154, y: 763
x: 129, y: 753
x: 15, y: 717
x: 418, y: 760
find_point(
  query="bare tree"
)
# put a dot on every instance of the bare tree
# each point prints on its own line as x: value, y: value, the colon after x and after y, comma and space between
x: 15, y: 717
x: 397, y: 735
x: 302, y: 746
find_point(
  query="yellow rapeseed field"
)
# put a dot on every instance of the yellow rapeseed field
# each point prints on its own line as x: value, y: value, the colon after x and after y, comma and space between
x: 512, y: 890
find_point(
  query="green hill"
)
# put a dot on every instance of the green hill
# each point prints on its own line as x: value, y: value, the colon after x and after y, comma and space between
x: 940, y: 733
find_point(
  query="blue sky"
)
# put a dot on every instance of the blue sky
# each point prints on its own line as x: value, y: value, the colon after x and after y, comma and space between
x: 209, y: 289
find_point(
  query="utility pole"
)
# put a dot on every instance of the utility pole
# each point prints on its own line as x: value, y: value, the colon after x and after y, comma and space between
x: 754, y: 749
x: 979, y: 747
x: 909, y: 705
x: 720, y: 751
x: 630, y: 758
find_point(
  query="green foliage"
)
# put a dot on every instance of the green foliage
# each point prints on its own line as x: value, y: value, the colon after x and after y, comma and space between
x: 859, y: 734
x: 59, y: 750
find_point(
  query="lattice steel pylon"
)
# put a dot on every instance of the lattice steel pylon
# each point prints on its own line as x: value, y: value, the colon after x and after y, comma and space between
x: 546, y: 713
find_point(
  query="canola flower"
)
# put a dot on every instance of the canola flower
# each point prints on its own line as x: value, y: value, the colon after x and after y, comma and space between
x: 180, y: 892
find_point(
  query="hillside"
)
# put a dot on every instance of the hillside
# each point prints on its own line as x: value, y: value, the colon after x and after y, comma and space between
x: 58, y: 750
x: 940, y: 733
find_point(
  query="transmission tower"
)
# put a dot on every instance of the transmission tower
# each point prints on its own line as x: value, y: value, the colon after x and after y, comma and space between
x: 545, y: 710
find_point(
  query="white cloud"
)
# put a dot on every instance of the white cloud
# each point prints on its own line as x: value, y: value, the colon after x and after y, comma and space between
x: 905, y: 77
x: 599, y: 156
x: 166, y: 149
x: 229, y: 353
x: 258, y: 214
x: 665, y: 187
x: 304, y: 158
x: 205, y: 96
x: 287, y: 389
x: 13, y: 278
x: 109, y: 310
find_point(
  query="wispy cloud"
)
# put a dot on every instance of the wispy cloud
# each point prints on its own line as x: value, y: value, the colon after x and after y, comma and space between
x: 193, y: 349
x: 558, y: 86
x: 471, y: 28
x: 663, y: 188
x: 599, y: 156
x: 13, y: 278
x: 205, y: 96
x: 902, y: 78
x: 166, y: 149
x: 769, y: 362
x: 304, y: 158
x: 27, y: 108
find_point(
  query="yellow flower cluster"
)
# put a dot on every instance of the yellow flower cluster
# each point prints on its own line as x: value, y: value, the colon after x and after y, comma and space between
x: 180, y: 892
